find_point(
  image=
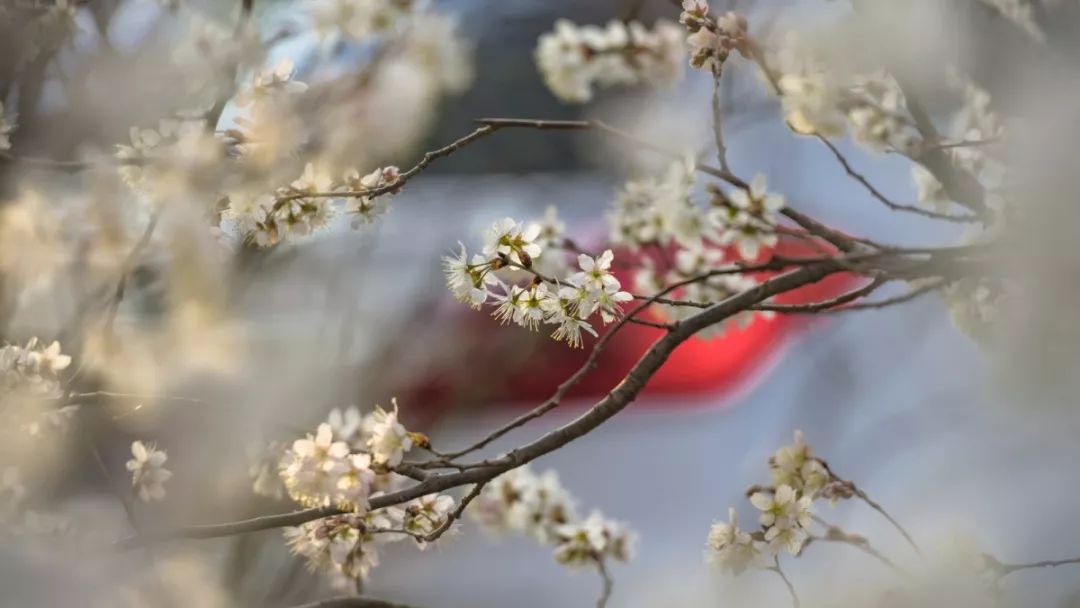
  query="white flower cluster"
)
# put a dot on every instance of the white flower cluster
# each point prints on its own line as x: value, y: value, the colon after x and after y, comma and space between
x: 349, y: 460
x: 346, y: 546
x: 341, y: 545
x: 975, y: 306
x: 567, y: 303
x: 746, y: 217
x: 539, y: 507
x: 268, y: 82
x: 366, y: 209
x: 208, y: 54
x: 693, y: 263
x: 270, y: 130
x: 51, y: 423
x: 711, y: 42
x: 6, y: 127
x: 660, y: 212
x: 264, y: 468
x: 574, y: 59
x: 175, y: 158
x: 785, y: 515
x: 329, y: 468
x: 977, y: 121
x: 308, y: 204
x: 818, y: 99
x: 34, y: 368
x: 148, y: 472
x: 358, y: 19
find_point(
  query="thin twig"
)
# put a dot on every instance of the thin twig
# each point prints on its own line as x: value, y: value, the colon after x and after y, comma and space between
x: 1006, y: 569
x: 126, y: 267
x: 968, y: 143
x: 787, y: 583
x: 837, y: 535
x: 608, y: 584
x: 873, y: 505
x: 457, y: 513
x: 717, y: 122
x: 427, y: 159
x: 891, y: 204
x: 351, y: 602
x: 904, y: 297
x: 824, y: 305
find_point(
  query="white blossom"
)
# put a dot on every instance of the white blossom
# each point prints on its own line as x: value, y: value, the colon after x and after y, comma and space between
x: 592, y: 540
x: 312, y: 467
x: 389, y: 439
x: 794, y: 465
x: 469, y: 280
x: 358, y: 19
x: 343, y: 546
x: 509, y: 238
x: 6, y: 128
x: 350, y: 426
x: 748, y: 220
x: 785, y: 516
x: 425, y: 515
x: 264, y: 461
x: 731, y: 549
x: 176, y: 159
x: 33, y: 368
x: 52, y: 422
x: 930, y: 191
x: 551, y: 239
x: 366, y: 209
x: 435, y: 45
x: 711, y: 42
x: 300, y: 214
x: 271, y: 81
x: 574, y: 59
x: 148, y: 472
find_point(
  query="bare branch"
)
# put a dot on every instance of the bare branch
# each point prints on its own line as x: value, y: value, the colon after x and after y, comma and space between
x: 351, y: 602
x: 1006, y: 569
x: 126, y: 267
x: 861, y: 179
x: 613, y: 403
x: 824, y: 305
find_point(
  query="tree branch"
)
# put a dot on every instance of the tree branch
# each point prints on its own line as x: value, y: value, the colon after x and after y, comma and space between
x: 351, y: 602
x: 613, y: 403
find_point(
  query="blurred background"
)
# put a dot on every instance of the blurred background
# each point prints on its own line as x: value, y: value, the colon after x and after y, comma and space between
x: 950, y: 438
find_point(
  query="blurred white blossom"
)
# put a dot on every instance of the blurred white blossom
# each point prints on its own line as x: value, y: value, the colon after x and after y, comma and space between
x: 148, y: 472
x: 574, y: 59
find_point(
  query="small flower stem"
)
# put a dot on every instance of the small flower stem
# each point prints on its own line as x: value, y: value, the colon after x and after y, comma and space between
x: 608, y: 584
x: 837, y: 535
x: 787, y: 582
x: 457, y: 513
x: 875, y: 506
x: 717, y: 123
x: 1006, y: 569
